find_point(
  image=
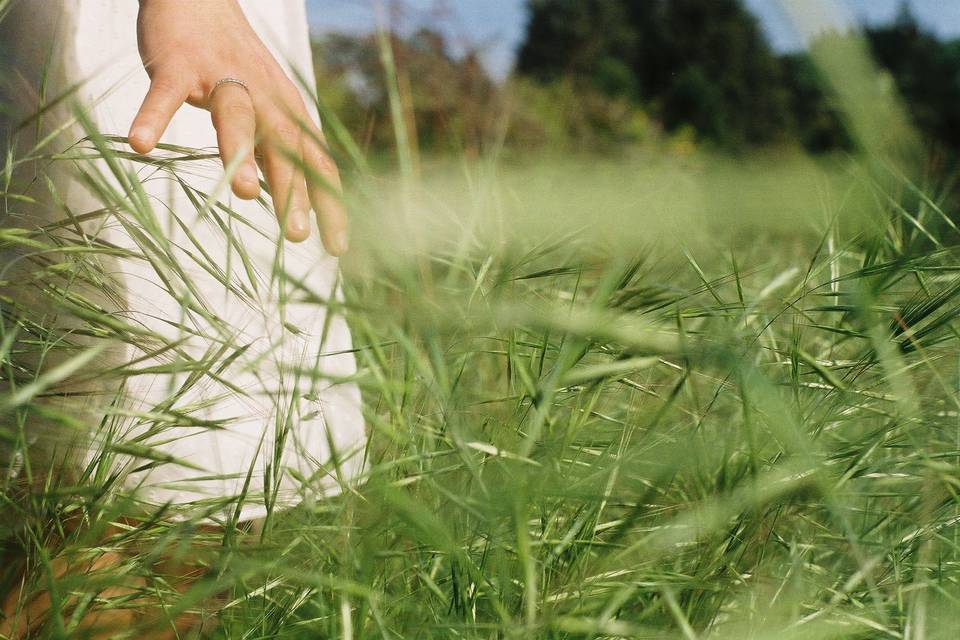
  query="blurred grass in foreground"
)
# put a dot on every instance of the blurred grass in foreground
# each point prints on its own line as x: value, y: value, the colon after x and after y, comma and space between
x: 645, y: 398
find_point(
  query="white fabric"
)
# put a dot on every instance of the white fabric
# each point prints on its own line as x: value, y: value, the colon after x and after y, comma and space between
x: 274, y: 415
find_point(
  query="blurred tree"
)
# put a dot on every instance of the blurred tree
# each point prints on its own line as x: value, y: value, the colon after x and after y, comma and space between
x: 584, y: 39
x: 593, y: 75
x: 452, y: 101
x: 817, y: 122
x: 703, y: 63
x: 927, y: 74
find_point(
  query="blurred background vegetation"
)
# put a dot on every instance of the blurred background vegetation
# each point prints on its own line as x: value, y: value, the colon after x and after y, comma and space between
x: 656, y: 338
x: 602, y: 76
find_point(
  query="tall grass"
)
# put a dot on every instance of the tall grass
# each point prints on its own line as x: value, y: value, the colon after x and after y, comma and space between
x: 644, y: 398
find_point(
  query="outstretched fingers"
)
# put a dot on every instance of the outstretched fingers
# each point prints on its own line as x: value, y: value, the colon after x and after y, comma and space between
x: 165, y: 97
x: 287, y: 188
x: 323, y: 185
x: 235, y: 122
x: 298, y: 169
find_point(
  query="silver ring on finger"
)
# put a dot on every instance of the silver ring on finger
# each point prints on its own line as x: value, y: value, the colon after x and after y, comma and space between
x: 228, y: 80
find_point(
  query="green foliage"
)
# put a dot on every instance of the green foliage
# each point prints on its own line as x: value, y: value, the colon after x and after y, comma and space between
x: 926, y: 72
x: 635, y: 397
x: 450, y: 104
x: 559, y: 116
x: 597, y: 75
x: 600, y: 405
x: 704, y: 64
x: 818, y: 123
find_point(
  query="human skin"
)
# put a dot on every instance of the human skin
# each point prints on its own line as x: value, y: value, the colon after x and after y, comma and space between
x: 125, y: 601
x: 186, y: 47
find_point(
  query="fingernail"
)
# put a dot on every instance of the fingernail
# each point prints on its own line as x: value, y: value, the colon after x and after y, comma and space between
x: 248, y: 176
x: 141, y: 134
x: 298, y: 224
x: 342, y: 242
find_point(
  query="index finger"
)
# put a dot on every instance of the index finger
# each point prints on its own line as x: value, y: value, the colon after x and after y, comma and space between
x: 163, y: 99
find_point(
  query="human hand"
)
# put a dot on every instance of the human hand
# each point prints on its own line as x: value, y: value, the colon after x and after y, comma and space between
x: 186, y: 47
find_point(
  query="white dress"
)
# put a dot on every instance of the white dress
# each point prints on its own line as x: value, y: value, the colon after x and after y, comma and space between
x: 237, y: 394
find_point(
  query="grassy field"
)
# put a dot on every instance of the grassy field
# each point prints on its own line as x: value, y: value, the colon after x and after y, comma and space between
x: 637, y: 397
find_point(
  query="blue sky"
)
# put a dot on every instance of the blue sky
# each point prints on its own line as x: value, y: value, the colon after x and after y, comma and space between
x: 496, y: 26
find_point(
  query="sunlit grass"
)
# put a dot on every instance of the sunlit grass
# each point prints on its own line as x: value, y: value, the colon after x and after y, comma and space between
x: 646, y: 397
